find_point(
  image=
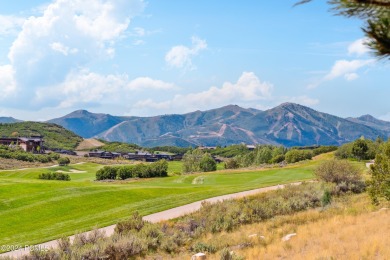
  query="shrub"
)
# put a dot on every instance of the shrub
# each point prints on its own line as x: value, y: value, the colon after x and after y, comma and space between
x: 231, y: 163
x: 63, y: 161
x: 124, y: 248
x: 107, y: 173
x: 207, y: 163
x: 135, y: 222
x: 326, y: 198
x: 360, y: 149
x: 343, y: 174
x: 203, y: 247
x: 191, y: 160
x: 294, y: 155
x: 59, y: 176
x: 277, y: 159
x: 54, y: 156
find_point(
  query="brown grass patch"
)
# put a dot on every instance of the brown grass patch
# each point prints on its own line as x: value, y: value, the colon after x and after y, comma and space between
x: 87, y: 144
x: 350, y: 229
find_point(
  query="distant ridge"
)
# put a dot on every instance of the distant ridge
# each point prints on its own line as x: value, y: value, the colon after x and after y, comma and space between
x: 288, y: 124
x: 371, y: 121
x: 86, y: 124
x: 7, y: 120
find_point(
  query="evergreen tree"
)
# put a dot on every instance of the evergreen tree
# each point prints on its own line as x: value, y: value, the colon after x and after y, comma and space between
x: 375, y: 13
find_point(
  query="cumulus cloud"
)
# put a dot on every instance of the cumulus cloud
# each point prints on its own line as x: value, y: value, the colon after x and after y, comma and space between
x: 7, y: 81
x: 247, y: 89
x: 144, y: 83
x: 181, y: 56
x: 43, y: 53
x: 57, y: 46
x: 358, y: 47
x: 343, y: 68
x: 88, y: 88
x: 10, y: 24
x: 351, y: 76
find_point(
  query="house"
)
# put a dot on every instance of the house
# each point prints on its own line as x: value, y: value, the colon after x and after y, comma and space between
x: 147, y: 157
x: 67, y: 152
x: 104, y: 154
x: 250, y: 147
x: 28, y: 144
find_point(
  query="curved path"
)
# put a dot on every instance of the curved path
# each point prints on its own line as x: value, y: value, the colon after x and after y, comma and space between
x: 156, y: 217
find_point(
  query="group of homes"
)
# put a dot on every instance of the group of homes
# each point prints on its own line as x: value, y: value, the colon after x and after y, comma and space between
x: 137, y: 156
x: 35, y: 144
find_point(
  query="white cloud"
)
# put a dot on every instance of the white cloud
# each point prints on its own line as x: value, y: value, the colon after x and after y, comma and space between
x: 89, y: 28
x: 7, y: 81
x: 351, y: 76
x: 138, y: 42
x: 87, y: 88
x: 145, y: 83
x: 57, y: 46
x: 181, y: 56
x: 10, y: 24
x: 139, y: 31
x: 302, y: 100
x: 358, y: 47
x: 247, y: 90
x: 343, y: 68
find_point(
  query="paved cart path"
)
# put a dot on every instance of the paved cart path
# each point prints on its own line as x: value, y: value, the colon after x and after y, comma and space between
x: 156, y: 217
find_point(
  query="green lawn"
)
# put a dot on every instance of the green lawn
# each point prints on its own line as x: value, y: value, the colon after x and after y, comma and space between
x: 34, y: 211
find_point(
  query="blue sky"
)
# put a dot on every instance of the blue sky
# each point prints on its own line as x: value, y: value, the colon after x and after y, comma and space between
x: 144, y: 58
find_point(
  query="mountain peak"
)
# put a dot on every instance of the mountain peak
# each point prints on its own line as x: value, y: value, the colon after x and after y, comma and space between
x: 80, y: 112
x: 367, y: 117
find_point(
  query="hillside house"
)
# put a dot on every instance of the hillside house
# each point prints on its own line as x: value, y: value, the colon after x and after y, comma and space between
x: 28, y: 144
x: 104, y: 154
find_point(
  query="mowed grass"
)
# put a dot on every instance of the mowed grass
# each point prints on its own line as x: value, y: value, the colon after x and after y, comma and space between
x: 34, y: 211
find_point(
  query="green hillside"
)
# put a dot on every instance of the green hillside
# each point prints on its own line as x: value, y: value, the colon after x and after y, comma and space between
x: 55, y: 136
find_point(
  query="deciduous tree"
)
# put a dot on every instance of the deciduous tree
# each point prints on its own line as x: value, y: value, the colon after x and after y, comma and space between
x: 379, y: 185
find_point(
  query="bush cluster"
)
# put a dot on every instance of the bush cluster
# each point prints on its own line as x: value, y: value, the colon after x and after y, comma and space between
x: 198, y: 161
x: 342, y: 174
x: 157, y: 169
x: 8, y: 153
x: 269, y: 154
x: 360, y: 149
x: 379, y: 184
x: 295, y: 155
x: 63, y: 161
x: 54, y: 176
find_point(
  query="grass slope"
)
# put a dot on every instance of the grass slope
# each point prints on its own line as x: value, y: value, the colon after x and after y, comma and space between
x: 350, y: 228
x: 34, y: 211
x: 55, y: 136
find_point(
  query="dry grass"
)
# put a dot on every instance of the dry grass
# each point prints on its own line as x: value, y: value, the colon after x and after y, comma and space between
x: 87, y: 144
x: 80, y: 159
x: 8, y: 164
x: 349, y: 229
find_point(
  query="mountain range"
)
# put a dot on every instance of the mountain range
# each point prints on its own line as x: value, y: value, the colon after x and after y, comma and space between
x: 288, y: 124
